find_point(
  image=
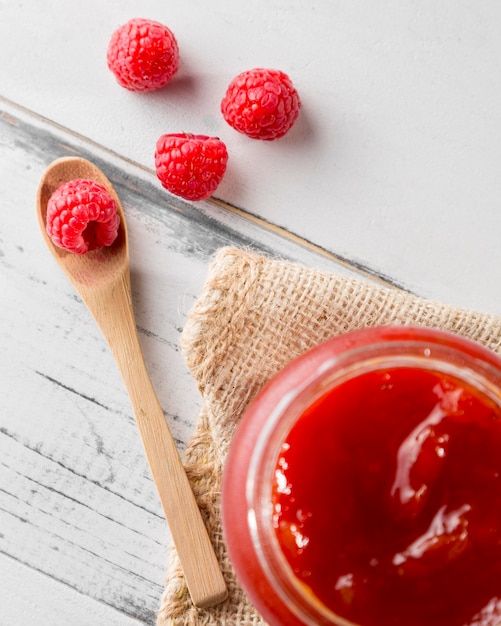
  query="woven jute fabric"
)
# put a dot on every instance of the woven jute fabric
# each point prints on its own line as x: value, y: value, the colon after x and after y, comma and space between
x: 253, y: 316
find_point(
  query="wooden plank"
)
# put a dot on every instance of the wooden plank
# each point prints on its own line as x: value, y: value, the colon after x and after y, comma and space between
x: 30, y: 597
x: 393, y: 161
x: 77, y: 503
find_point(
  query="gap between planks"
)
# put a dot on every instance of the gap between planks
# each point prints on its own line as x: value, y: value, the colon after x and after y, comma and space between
x: 349, y: 264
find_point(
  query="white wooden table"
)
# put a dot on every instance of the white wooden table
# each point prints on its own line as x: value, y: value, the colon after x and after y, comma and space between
x: 391, y: 173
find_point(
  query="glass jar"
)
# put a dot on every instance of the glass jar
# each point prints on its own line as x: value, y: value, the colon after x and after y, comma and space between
x: 252, y: 478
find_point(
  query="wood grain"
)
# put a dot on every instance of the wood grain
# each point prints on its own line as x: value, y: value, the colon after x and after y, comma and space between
x: 80, y: 519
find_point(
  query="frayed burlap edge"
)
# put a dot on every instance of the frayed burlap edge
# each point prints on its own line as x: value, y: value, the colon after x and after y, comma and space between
x: 253, y: 316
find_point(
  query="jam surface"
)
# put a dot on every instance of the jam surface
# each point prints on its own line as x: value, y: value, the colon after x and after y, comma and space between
x: 387, y: 501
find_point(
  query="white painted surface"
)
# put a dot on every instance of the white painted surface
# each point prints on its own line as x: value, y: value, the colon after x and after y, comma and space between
x: 394, y: 162
x: 393, y: 165
x: 82, y: 536
x: 29, y: 597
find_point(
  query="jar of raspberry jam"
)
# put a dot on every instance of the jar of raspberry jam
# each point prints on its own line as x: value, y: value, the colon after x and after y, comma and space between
x: 363, y: 484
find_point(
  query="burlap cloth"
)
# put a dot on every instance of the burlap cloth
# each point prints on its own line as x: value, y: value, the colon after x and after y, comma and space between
x: 253, y: 316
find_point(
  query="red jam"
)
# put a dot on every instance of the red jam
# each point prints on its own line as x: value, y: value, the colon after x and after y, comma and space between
x: 387, y: 500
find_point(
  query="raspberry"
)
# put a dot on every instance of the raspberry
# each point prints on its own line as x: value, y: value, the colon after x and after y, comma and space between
x: 143, y: 55
x: 82, y: 216
x: 261, y: 103
x: 190, y: 166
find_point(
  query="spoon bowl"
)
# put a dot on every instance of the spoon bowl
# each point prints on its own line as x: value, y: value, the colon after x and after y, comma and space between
x: 102, y: 279
x: 97, y: 267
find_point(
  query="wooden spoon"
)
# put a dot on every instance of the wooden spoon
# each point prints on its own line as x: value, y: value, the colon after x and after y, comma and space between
x: 102, y: 279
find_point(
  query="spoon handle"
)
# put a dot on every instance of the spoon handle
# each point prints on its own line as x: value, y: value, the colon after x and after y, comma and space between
x: 113, y: 312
